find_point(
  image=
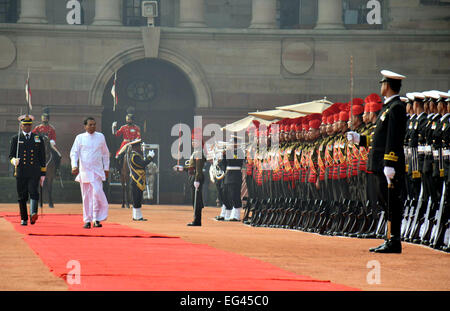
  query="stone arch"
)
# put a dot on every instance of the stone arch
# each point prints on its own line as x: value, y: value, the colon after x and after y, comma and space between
x: 190, y: 68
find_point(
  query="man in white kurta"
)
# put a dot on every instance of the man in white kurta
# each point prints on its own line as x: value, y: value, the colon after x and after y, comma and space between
x: 90, y: 162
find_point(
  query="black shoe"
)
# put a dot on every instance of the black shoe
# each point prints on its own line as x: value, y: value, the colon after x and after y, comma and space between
x: 220, y: 218
x: 375, y: 248
x: 390, y: 247
x: 140, y: 219
x: 195, y: 224
x: 33, y: 218
x: 87, y: 225
x: 97, y: 224
x: 23, y: 222
x: 234, y: 219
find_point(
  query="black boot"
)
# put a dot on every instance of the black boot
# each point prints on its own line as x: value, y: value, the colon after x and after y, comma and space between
x: 33, y: 211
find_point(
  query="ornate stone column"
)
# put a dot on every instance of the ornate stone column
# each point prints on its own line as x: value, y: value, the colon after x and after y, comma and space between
x: 32, y: 12
x: 264, y: 14
x: 107, y: 12
x: 329, y: 15
x: 192, y: 13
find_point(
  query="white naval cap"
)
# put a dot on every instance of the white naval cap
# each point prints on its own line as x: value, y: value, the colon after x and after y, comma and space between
x: 410, y: 96
x: 443, y: 96
x: 387, y: 74
x: 405, y: 99
x: 431, y: 94
x: 418, y: 96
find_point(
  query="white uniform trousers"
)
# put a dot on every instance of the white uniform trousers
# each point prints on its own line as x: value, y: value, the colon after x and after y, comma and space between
x: 95, y: 204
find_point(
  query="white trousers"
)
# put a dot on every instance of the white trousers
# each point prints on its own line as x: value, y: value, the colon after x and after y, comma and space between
x: 95, y: 204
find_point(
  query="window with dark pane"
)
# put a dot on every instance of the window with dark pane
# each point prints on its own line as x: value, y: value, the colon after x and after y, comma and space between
x: 296, y: 14
x: 132, y: 13
x: 9, y: 11
x: 355, y: 14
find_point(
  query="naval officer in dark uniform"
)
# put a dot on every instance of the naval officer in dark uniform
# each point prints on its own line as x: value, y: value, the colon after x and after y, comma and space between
x: 29, y: 162
x: 387, y: 159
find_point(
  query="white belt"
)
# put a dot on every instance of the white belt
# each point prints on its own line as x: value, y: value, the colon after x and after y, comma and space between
x: 233, y: 168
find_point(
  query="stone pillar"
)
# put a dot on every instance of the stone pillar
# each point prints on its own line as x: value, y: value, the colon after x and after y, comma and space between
x: 192, y: 13
x: 32, y: 12
x: 264, y: 14
x: 107, y: 13
x: 329, y: 15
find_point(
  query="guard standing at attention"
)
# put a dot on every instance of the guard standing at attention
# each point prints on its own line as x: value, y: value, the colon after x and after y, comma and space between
x: 387, y: 158
x: 137, y: 171
x: 194, y: 167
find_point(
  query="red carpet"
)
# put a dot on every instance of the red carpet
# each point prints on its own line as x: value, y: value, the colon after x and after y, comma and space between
x: 116, y: 257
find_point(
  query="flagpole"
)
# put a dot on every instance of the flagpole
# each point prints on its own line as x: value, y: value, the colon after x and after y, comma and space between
x: 28, y: 93
x: 114, y: 91
x: 179, y: 142
x: 17, y: 148
x: 351, y: 91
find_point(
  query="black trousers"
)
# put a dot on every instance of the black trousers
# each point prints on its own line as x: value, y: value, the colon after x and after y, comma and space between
x: 391, y: 200
x: 233, y: 195
x: 220, y: 191
x: 27, y: 187
x: 137, y: 195
x: 197, y: 203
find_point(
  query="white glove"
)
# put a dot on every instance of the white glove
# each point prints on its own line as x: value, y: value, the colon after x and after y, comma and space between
x: 196, y: 184
x: 150, y: 154
x: 15, y: 161
x: 353, y: 137
x: 114, y: 125
x: 389, y: 172
x: 42, y: 181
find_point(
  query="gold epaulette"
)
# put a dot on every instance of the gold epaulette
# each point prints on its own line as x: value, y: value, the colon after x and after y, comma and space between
x: 391, y: 157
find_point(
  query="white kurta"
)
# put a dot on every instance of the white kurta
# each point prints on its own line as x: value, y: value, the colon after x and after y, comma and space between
x: 91, y: 155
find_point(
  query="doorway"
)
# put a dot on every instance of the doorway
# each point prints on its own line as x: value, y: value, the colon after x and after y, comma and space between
x: 162, y: 97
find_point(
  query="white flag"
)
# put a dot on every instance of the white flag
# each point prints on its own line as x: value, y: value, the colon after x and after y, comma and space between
x: 28, y: 92
x: 113, y: 91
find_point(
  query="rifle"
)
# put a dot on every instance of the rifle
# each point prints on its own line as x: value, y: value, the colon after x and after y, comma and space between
x: 348, y: 221
x: 380, y: 231
x: 446, y: 237
x: 426, y: 225
x: 446, y: 242
x: 412, y: 213
x: 437, y: 230
x: 406, y: 209
x: 417, y: 228
x: 415, y: 218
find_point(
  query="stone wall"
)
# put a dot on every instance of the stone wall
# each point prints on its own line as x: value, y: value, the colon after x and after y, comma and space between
x: 244, y: 69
